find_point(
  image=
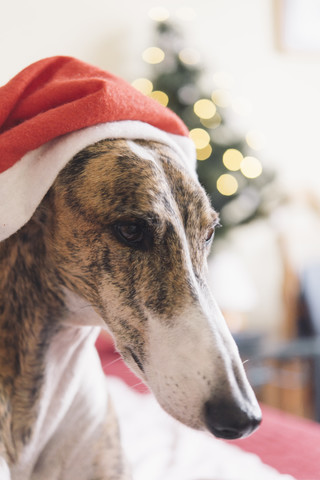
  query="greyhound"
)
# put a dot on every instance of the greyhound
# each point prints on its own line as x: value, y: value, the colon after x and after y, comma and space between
x: 120, y: 241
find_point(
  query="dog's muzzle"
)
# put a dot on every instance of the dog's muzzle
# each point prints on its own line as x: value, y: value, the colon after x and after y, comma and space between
x: 228, y: 421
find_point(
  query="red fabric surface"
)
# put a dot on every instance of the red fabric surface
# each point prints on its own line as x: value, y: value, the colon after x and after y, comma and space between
x: 289, y: 444
x: 59, y: 95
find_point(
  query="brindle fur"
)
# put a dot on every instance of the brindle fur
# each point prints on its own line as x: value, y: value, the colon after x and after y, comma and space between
x: 70, y: 245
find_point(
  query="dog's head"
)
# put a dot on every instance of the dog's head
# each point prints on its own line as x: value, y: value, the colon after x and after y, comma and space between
x: 130, y: 232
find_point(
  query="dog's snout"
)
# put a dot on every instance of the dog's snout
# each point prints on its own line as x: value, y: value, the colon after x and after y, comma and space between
x: 229, y: 421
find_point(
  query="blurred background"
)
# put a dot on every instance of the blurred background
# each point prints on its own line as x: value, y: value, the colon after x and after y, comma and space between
x: 245, y: 77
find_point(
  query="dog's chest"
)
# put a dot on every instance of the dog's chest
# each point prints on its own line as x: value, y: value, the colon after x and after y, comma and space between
x: 72, y: 407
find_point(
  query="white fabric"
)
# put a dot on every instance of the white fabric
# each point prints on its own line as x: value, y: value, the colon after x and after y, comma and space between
x: 4, y: 470
x: 23, y: 186
x: 160, y: 448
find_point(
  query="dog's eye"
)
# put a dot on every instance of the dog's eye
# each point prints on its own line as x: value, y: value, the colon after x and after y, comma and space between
x: 134, y: 234
x: 130, y: 232
x: 210, y: 234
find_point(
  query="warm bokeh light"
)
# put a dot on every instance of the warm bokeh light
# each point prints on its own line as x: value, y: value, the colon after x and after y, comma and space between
x: 200, y: 137
x: 213, y: 122
x: 227, y: 184
x: 221, y: 97
x: 232, y: 159
x: 160, y: 96
x: 159, y: 14
x: 143, y: 85
x: 204, y: 153
x: 255, y: 140
x: 204, y: 108
x: 153, y: 55
x: 251, y: 167
x: 189, y: 56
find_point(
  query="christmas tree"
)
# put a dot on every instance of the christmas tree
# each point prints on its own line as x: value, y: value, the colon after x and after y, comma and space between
x: 231, y: 175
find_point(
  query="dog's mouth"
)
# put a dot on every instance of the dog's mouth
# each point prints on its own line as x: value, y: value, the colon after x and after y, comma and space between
x: 136, y: 359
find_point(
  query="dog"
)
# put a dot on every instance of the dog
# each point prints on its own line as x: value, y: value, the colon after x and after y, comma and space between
x: 120, y: 241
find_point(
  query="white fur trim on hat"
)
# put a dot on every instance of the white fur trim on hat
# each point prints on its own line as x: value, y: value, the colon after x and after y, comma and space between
x: 23, y: 186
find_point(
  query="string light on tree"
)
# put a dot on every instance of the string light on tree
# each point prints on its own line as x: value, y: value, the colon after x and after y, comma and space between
x: 212, y: 123
x: 200, y: 138
x: 204, y: 108
x: 223, y: 166
x: 153, y: 55
x: 160, y: 96
x: 227, y: 184
x: 251, y: 167
x: 204, y: 153
x: 144, y: 85
x: 221, y: 98
x: 232, y: 159
x: 189, y: 56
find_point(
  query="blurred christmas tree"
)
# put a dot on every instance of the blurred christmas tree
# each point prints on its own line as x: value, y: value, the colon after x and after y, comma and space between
x: 234, y: 178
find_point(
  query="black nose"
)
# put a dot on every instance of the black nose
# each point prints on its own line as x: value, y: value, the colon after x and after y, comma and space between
x: 229, y: 421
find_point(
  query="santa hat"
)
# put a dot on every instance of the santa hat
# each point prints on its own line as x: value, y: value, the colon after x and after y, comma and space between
x: 56, y: 107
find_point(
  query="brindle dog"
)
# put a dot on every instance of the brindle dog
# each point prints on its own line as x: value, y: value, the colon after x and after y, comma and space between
x: 120, y: 240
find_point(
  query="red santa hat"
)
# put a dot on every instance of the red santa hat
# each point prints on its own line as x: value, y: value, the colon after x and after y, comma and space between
x: 56, y: 107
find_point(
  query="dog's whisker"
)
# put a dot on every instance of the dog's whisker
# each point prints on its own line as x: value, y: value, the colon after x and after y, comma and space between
x: 245, y: 361
x: 138, y: 385
x: 89, y: 305
x: 106, y: 365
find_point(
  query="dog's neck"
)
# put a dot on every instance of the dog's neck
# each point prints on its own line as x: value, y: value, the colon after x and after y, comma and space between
x: 40, y: 342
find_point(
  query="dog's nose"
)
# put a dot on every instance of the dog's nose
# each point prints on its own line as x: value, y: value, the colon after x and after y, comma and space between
x: 229, y: 421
